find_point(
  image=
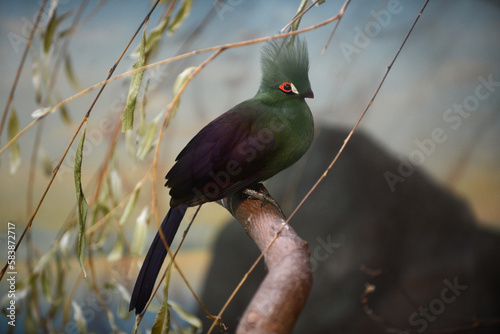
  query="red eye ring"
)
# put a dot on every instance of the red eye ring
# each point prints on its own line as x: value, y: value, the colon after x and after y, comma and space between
x: 286, y: 87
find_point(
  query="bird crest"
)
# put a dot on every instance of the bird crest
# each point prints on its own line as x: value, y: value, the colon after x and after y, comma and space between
x: 285, y: 61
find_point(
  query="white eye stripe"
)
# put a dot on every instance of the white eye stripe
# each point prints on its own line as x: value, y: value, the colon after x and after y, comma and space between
x: 289, y: 88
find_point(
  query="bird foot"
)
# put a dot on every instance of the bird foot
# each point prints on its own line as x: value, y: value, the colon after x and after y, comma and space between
x: 265, y: 198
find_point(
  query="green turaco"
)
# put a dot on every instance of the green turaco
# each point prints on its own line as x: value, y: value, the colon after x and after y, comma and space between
x: 249, y: 143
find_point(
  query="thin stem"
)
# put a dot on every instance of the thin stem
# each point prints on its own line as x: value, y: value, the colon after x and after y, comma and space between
x: 165, y: 61
x: 325, y: 173
x: 21, y: 65
x: 85, y: 119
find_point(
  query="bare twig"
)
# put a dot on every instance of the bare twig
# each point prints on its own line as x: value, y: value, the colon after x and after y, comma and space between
x: 21, y: 64
x: 342, y: 11
x: 162, y: 62
x: 84, y: 120
x: 325, y: 173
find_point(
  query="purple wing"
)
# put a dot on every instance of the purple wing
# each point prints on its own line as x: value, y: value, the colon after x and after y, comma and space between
x: 224, y: 156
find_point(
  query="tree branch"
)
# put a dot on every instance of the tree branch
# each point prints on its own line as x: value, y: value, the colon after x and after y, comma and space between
x: 281, y: 296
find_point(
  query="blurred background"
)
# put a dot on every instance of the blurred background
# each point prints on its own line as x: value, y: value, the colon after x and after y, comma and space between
x: 428, y: 147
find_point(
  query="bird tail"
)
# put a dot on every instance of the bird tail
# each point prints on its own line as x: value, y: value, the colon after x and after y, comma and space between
x: 154, y: 259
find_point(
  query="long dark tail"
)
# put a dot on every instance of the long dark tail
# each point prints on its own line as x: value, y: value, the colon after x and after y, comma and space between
x: 154, y: 259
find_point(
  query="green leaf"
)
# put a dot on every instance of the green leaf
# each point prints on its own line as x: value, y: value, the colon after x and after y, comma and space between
x: 130, y: 205
x: 147, y: 142
x: 36, y: 80
x: 44, y: 159
x: 162, y: 321
x: 117, y: 251
x: 68, y: 67
x: 49, y: 32
x: 115, y: 183
x: 143, y: 125
x: 135, y: 85
x: 153, y: 39
x: 191, y: 319
x: 14, y: 151
x: 140, y: 232
x: 45, y: 260
x: 64, y: 113
x: 123, y: 303
x: 45, y: 282
x: 295, y: 25
x: 81, y: 202
x: 81, y: 322
x: 182, y: 14
x: 179, y: 82
x: 54, y: 21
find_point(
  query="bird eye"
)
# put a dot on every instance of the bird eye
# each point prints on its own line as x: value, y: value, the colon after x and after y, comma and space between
x: 288, y: 88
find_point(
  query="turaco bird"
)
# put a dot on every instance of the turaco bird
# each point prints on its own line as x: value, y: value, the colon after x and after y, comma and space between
x: 249, y: 143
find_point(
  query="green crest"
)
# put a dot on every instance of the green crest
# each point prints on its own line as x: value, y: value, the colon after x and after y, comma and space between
x: 285, y: 59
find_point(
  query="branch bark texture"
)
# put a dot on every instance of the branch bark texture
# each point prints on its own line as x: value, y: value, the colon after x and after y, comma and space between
x: 282, y: 294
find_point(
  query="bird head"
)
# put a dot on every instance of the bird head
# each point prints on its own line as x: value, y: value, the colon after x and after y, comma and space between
x: 285, y: 66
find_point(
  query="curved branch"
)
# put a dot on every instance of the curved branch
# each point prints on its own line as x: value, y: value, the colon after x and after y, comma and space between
x: 282, y: 294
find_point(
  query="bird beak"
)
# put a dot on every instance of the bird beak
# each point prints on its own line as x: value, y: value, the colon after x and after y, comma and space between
x: 308, y: 94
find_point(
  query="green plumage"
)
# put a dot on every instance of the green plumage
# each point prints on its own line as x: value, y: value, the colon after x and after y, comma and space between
x: 249, y: 143
x: 282, y: 61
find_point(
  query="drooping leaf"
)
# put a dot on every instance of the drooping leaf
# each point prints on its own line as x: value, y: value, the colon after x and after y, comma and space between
x: 162, y: 321
x: 70, y: 74
x: 302, y: 7
x: 140, y: 232
x: 117, y: 251
x: 81, y: 322
x: 179, y: 82
x: 146, y: 143
x: 153, y: 38
x: 36, y: 80
x: 191, y: 319
x: 45, y: 279
x: 49, y: 31
x: 135, y: 85
x: 130, y: 205
x: 45, y: 260
x: 115, y: 182
x: 64, y: 113
x: 14, y: 151
x: 143, y: 125
x: 53, y: 23
x: 182, y: 14
x: 45, y: 162
x: 81, y: 202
